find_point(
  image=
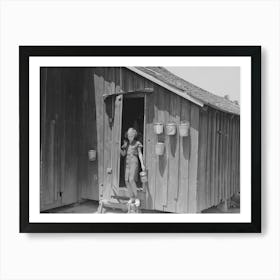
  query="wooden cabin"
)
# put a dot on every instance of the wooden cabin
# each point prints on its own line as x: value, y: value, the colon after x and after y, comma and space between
x: 87, y: 110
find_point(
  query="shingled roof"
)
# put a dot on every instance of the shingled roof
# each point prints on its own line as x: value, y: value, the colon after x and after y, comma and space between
x: 204, y: 96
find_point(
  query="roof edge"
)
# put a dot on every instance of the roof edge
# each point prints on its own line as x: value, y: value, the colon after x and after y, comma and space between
x: 162, y: 84
x: 222, y: 110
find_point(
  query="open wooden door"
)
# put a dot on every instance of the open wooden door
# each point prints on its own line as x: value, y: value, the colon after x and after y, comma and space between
x: 108, y: 123
x: 112, y: 138
x: 116, y: 143
x: 100, y: 127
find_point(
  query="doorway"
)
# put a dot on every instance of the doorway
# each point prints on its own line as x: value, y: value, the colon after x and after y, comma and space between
x: 132, y: 116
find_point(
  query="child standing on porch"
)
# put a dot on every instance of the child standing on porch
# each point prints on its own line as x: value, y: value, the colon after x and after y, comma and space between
x: 132, y: 150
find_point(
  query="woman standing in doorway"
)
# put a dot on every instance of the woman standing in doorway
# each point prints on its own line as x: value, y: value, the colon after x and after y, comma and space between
x: 132, y: 151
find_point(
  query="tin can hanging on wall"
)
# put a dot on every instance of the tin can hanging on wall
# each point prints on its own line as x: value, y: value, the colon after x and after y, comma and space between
x: 92, y: 155
x: 160, y: 148
x: 143, y: 176
x: 158, y: 128
x: 171, y: 129
x: 184, y: 129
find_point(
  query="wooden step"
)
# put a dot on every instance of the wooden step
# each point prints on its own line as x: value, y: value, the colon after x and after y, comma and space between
x: 116, y: 204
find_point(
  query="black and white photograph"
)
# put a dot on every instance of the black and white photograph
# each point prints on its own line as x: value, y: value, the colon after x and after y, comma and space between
x: 141, y: 131
x: 140, y: 140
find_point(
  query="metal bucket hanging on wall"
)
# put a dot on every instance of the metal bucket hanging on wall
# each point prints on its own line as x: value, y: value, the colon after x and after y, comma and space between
x: 184, y: 129
x: 158, y: 128
x: 143, y: 176
x: 92, y: 155
x: 171, y: 129
x: 160, y: 148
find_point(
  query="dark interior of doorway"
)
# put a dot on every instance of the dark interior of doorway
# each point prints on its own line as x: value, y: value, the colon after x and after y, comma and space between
x: 132, y: 116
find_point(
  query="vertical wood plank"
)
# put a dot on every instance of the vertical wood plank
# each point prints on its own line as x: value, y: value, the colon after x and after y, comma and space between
x: 225, y: 156
x: 227, y: 160
x: 150, y: 157
x: 202, y: 160
x: 229, y: 155
x: 184, y: 154
x: 107, y: 137
x: 58, y: 136
x: 236, y: 169
x: 194, y: 129
x: 208, y: 161
x: 98, y: 92
x: 118, y: 130
x: 217, y: 198
x: 63, y: 140
x: 83, y: 166
x: 116, y: 142
x: 50, y: 196
x: 72, y: 83
x: 221, y: 157
x: 173, y: 152
x: 213, y: 154
x: 90, y: 136
x: 164, y: 166
x: 238, y: 155
x: 161, y: 161
x: 234, y: 155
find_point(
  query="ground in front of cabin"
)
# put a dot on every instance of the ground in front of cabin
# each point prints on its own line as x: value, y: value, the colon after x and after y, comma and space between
x: 89, y: 206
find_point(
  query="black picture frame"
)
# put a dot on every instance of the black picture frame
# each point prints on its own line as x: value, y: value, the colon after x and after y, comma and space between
x: 25, y: 52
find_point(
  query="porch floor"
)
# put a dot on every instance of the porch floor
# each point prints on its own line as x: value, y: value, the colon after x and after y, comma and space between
x: 90, y: 206
x: 86, y: 206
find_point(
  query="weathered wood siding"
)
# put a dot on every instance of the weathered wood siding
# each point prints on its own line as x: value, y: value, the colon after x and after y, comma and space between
x: 108, y: 116
x: 172, y: 177
x: 195, y: 172
x: 68, y: 131
x: 88, y: 170
x: 109, y: 81
x: 218, y: 157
